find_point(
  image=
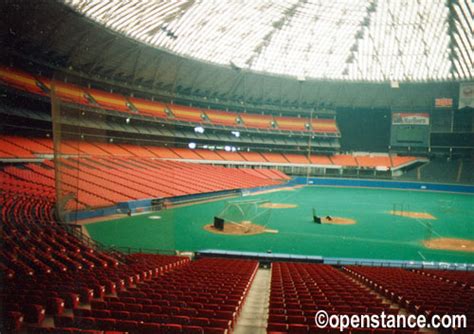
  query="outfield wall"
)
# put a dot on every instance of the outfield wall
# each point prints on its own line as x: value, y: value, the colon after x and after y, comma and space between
x: 384, y: 184
x: 268, y: 258
x: 313, y: 181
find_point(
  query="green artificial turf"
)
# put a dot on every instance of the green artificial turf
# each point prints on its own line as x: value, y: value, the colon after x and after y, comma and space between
x: 377, y: 234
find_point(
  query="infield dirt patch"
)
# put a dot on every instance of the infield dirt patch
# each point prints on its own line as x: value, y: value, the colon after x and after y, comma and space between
x: 410, y: 214
x: 243, y: 228
x: 338, y: 221
x: 452, y: 244
x: 277, y: 206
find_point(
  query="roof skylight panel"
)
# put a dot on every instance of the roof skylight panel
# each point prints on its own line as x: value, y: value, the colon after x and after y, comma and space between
x: 313, y: 33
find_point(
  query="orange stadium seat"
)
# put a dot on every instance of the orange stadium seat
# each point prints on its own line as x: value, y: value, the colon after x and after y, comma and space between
x: 401, y: 160
x: 82, y: 147
x: 68, y: 92
x: 324, y: 126
x: 155, y: 109
x: 208, y: 155
x: 296, y: 158
x: 231, y: 156
x: 373, y: 161
x: 163, y: 152
x: 109, y: 100
x: 188, y: 114
x: 222, y: 117
x: 320, y: 160
x: 253, y: 156
x: 25, y: 147
x: 292, y: 123
x: 76, y: 94
x: 345, y: 160
x: 275, y: 157
x: 256, y: 121
x: 185, y: 153
x: 137, y: 150
x: 14, y: 150
x: 113, y: 149
x: 28, y: 144
x: 21, y: 80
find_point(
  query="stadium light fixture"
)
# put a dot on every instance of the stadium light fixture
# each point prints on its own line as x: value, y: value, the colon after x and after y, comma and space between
x: 235, y: 133
x: 199, y: 129
x: 192, y: 145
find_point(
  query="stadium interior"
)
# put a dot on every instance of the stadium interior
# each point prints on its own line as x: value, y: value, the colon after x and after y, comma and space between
x: 235, y: 166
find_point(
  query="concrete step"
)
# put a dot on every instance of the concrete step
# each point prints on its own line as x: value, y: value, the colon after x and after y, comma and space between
x: 254, y: 314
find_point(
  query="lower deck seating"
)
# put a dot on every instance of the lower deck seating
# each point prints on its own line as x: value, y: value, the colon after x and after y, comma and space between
x: 104, y: 181
x: 298, y: 290
x: 46, y: 270
x: 420, y: 292
x: 460, y: 278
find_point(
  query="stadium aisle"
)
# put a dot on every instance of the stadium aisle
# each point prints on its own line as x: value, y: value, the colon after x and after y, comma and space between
x: 254, y: 314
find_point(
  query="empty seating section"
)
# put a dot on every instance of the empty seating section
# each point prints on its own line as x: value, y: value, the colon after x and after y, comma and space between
x: 373, y: 161
x: 222, y: 117
x: 253, y: 156
x: 256, y: 121
x: 69, y: 93
x: 137, y: 150
x: 298, y: 290
x: 114, y: 101
x: 48, y: 273
x: 187, y: 113
x: 113, y: 149
x: 21, y: 80
x: 279, y: 174
x: 206, y: 293
x: 320, y: 160
x: 150, y: 108
x: 460, y: 278
x: 184, y: 153
x: 399, y: 161
x: 296, y: 158
x: 58, y: 272
x: 267, y: 173
x: 292, y: 124
x: 345, y: 160
x: 231, y: 156
x: 80, y: 147
x: 27, y: 144
x: 109, y: 100
x: 101, y: 182
x: 324, y: 125
x: 419, y: 291
x: 163, y: 152
x: 11, y: 149
x: 59, y: 277
x: 208, y: 155
x: 19, y: 147
x: 275, y: 157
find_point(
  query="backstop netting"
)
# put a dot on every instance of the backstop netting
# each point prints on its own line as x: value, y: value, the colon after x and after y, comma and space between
x: 256, y: 212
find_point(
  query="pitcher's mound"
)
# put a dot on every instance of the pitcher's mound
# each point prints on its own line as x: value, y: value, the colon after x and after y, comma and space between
x: 277, y: 206
x: 338, y: 221
x: 409, y: 214
x: 452, y: 244
x: 244, y: 228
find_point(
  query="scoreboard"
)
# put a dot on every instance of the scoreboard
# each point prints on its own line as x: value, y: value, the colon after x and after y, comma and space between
x: 410, y: 129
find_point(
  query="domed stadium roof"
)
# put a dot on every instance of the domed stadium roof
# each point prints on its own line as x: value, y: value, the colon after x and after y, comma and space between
x: 353, y: 40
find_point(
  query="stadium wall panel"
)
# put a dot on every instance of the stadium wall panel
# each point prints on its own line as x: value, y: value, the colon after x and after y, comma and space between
x: 421, y: 186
